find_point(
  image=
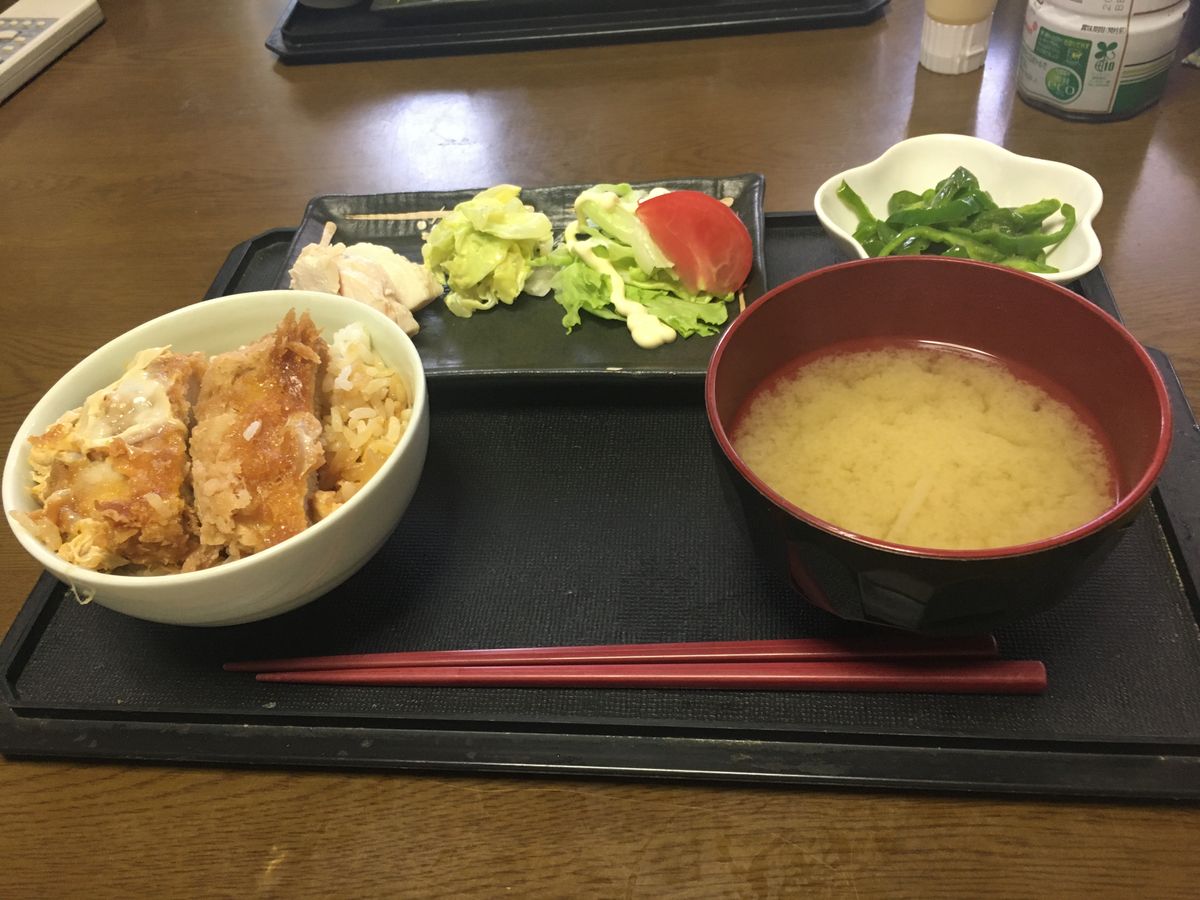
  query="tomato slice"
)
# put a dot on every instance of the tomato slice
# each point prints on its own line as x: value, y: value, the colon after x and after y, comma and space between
x: 707, y: 242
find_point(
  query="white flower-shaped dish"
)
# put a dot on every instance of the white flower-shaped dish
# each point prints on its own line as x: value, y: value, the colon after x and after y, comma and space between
x: 921, y: 162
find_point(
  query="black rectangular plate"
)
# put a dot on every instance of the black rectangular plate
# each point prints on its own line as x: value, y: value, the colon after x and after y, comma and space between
x: 498, y: 550
x: 444, y: 27
x: 526, y: 340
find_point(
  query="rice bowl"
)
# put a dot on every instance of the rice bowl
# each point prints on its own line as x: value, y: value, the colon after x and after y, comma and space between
x: 283, y: 576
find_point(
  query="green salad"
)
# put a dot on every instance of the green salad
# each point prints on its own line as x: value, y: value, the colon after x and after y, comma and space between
x: 610, y: 266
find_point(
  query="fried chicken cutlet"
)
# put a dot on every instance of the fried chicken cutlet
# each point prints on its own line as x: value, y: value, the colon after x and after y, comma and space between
x: 256, y: 446
x: 112, y: 475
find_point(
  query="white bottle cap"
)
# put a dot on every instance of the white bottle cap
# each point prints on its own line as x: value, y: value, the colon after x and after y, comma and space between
x: 954, y: 49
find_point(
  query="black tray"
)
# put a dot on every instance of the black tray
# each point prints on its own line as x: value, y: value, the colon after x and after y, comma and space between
x: 497, y: 550
x: 388, y: 28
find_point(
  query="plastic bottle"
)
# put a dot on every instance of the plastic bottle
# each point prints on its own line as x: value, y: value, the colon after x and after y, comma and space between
x: 1098, y: 60
x: 954, y: 36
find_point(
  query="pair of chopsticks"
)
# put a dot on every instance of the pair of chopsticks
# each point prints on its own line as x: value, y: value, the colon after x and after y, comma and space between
x: 898, y: 664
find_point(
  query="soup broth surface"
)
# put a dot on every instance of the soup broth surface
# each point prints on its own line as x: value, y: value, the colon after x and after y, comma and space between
x: 927, y: 446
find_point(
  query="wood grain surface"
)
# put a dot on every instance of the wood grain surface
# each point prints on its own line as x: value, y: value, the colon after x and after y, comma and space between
x: 132, y: 165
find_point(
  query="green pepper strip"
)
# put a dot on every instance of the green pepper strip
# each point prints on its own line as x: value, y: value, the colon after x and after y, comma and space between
x: 960, y: 180
x: 973, y: 248
x: 951, y: 212
x: 903, y: 200
x: 1027, y: 265
x: 847, y: 195
x: 963, y: 247
x: 1027, y: 245
x: 954, y: 200
x: 871, y: 232
x: 1016, y: 220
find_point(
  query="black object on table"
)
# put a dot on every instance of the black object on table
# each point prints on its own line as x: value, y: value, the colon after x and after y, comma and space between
x: 409, y: 28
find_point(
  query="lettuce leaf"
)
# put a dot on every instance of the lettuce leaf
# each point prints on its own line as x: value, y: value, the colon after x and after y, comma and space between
x: 578, y: 287
x: 612, y: 208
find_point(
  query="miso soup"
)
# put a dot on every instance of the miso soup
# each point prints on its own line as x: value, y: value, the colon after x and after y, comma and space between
x: 927, y: 446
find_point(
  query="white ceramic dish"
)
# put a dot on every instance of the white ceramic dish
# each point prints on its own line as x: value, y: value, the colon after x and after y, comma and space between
x: 920, y: 162
x: 289, y: 574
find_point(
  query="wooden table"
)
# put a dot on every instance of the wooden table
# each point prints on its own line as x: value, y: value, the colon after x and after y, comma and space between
x: 132, y: 165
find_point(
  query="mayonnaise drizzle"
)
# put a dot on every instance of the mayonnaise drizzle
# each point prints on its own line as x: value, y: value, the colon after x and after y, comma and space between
x: 646, y: 329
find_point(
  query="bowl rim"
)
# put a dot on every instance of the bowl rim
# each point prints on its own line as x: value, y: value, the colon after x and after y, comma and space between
x: 73, y: 573
x: 1132, y: 498
x: 1084, y: 217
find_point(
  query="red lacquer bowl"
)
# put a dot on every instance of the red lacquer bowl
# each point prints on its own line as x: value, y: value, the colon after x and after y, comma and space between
x: 1071, y: 345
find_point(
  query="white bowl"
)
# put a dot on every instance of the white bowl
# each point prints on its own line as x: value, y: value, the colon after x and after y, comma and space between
x: 292, y: 572
x: 921, y: 162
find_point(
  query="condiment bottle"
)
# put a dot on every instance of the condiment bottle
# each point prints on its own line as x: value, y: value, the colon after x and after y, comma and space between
x: 1098, y: 60
x: 954, y: 36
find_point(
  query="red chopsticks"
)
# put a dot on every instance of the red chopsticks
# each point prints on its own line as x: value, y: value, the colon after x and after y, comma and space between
x: 981, y: 677
x: 797, y: 650
x: 880, y: 663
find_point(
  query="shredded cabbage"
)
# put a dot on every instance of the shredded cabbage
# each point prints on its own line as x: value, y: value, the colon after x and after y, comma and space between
x: 484, y: 248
